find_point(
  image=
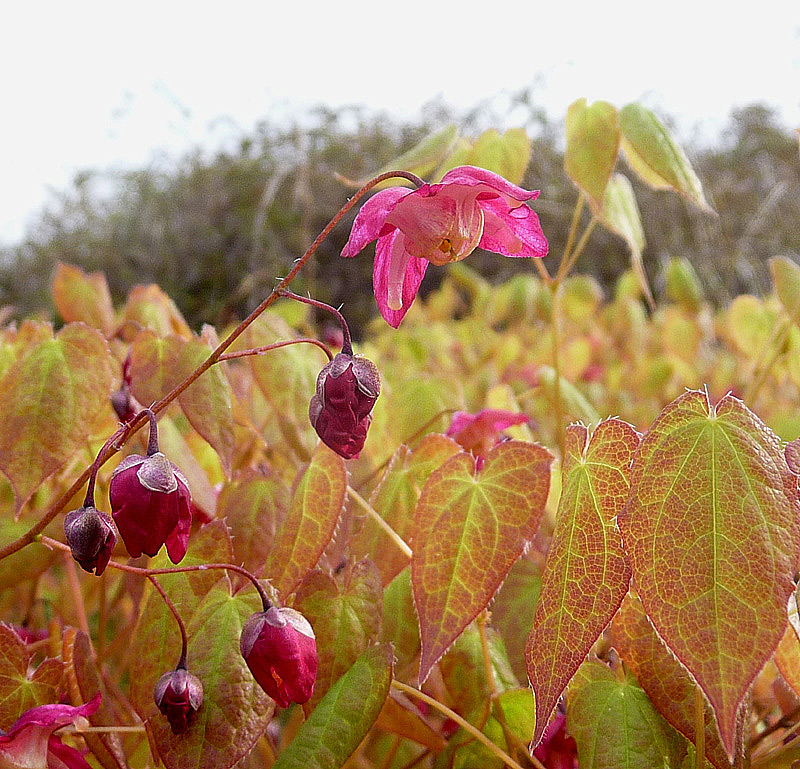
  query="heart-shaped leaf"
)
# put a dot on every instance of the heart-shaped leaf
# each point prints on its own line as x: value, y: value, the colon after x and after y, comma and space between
x: 81, y: 297
x: 469, y: 529
x: 712, y: 530
x: 586, y: 575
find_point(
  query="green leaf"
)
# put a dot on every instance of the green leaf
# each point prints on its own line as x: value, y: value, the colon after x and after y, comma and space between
x: 621, y: 216
x: 786, y: 280
x: 655, y: 156
x: 750, y: 323
x: 150, y: 307
x: 253, y: 506
x: 235, y: 710
x: 400, y: 624
x: 586, y: 575
x: 615, y: 726
x: 317, y: 503
x: 341, y: 720
x: 81, y: 297
x: 683, y: 284
x: 663, y: 678
x: 506, y: 154
x: 712, y: 531
x: 424, y: 157
x: 345, y: 613
x: 25, y: 564
x: 52, y: 398
x: 154, y: 365
x: 470, y: 527
x: 23, y: 687
x: 593, y: 138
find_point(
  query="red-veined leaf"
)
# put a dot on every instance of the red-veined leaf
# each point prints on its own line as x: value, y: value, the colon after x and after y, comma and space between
x: 469, y: 529
x: 712, y: 531
x: 586, y: 575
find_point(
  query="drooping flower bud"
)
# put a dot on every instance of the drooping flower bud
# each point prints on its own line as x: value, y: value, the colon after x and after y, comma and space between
x: 150, y: 502
x: 91, y: 537
x: 279, y: 647
x: 178, y: 695
x: 347, y: 389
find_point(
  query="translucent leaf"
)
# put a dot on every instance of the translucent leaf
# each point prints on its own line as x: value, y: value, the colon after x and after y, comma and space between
x: 154, y: 365
x: 593, y: 138
x: 666, y: 682
x: 470, y: 527
x: 655, y: 156
x: 81, y: 297
x: 615, y: 725
x: 586, y: 575
x: 345, y: 612
x: 52, y: 398
x: 506, y: 154
x: 317, y: 503
x: 341, y: 720
x: 786, y: 280
x: 150, y: 307
x: 712, y: 532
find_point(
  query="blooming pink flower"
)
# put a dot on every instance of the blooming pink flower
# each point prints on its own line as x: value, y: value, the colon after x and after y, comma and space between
x: 30, y: 741
x: 479, y: 432
x: 441, y: 223
x: 280, y: 649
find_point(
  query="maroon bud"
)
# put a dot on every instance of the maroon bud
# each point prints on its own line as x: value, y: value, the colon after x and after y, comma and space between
x: 347, y: 389
x: 278, y: 646
x: 122, y: 402
x: 178, y: 695
x: 150, y: 502
x: 91, y: 537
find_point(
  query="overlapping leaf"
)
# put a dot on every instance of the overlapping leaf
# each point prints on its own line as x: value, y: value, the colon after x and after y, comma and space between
x: 586, y: 575
x: 593, y: 138
x: 712, y: 530
x: 81, y: 297
x: 341, y: 720
x: 150, y: 307
x: 655, y: 155
x: 52, y: 398
x: 469, y: 529
x: 615, y: 725
x: 786, y: 280
x: 664, y: 679
x: 316, y: 506
x: 345, y: 613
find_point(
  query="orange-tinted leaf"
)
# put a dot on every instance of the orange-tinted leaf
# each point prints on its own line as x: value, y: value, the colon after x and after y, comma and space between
x: 345, y: 613
x: 470, y: 527
x: 593, y: 137
x: 20, y: 687
x: 52, y: 399
x: 586, y: 575
x: 81, y: 297
x: 208, y: 401
x: 316, y: 506
x: 400, y: 716
x: 149, y: 307
x: 712, y: 530
x: 154, y: 365
x: 664, y: 679
x: 253, y: 507
x: 615, y: 725
x: 787, y: 658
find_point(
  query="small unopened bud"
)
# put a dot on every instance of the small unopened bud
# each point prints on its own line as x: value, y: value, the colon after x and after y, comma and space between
x: 340, y: 411
x: 91, y: 537
x: 178, y: 695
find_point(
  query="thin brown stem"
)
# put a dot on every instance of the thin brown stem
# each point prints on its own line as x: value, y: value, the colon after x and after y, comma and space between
x: 347, y: 345
x: 276, y: 345
x: 125, y: 432
x: 699, y: 729
x: 77, y: 597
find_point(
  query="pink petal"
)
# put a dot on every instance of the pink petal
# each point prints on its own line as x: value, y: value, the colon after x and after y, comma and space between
x: 512, y: 232
x: 372, y: 217
x: 425, y: 219
x: 472, y: 176
x: 392, y: 247
x: 54, y: 716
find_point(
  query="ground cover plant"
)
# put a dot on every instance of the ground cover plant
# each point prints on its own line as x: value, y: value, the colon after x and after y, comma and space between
x: 530, y: 524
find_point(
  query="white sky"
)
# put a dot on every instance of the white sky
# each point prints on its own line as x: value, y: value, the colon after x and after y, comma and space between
x: 99, y: 85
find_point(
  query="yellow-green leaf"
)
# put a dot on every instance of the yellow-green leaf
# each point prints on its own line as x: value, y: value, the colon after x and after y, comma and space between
x: 786, y: 280
x: 81, y: 297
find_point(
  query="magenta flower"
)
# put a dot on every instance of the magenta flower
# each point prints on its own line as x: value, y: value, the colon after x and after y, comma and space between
x: 30, y: 741
x: 479, y: 433
x: 279, y: 647
x: 441, y: 223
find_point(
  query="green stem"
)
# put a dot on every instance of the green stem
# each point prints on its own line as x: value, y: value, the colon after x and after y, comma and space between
x: 127, y: 430
x: 766, y: 360
x: 699, y: 729
x: 372, y: 513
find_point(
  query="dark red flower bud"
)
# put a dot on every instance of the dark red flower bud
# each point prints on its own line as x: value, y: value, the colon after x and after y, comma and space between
x: 150, y: 502
x: 122, y: 403
x: 347, y: 389
x: 91, y: 537
x: 178, y: 694
x: 278, y: 646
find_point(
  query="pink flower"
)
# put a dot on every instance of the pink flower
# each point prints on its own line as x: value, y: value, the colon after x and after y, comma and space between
x: 441, y: 223
x: 279, y: 647
x: 30, y: 741
x: 479, y: 432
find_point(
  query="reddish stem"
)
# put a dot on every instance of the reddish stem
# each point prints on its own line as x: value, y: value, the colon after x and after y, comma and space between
x: 347, y: 345
x: 267, y: 347
x: 171, y: 606
x: 133, y: 426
